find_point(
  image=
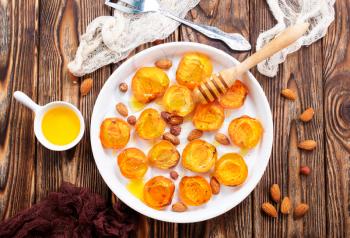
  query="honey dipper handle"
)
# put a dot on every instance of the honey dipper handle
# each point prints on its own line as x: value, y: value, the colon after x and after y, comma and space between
x: 218, y: 84
x: 286, y: 38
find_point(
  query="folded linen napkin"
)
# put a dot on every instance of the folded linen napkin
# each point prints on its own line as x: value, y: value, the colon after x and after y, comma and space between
x: 71, y: 212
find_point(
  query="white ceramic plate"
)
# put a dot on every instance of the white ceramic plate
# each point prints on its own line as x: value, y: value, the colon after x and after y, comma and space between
x: 256, y: 105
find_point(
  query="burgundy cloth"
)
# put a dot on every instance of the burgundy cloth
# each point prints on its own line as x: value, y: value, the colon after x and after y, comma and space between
x: 71, y: 212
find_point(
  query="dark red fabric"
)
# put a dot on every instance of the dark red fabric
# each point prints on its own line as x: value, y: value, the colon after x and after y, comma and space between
x: 71, y: 212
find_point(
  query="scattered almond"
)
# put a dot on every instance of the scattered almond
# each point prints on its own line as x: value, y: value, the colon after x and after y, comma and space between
x: 122, y: 109
x: 86, y: 86
x: 305, y: 170
x: 269, y: 209
x: 289, y: 94
x: 166, y: 116
x: 123, y: 87
x: 275, y: 193
x: 131, y: 120
x: 215, y: 185
x: 174, y: 175
x: 307, y: 115
x: 307, y: 145
x: 300, y: 210
x: 171, y: 138
x: 194, y: 134
x: 175, y: 130
x: 179, y: 207
x: 222, y: 139
x: 176, y: 120
x: 163, y: 63
x: 286, y: 205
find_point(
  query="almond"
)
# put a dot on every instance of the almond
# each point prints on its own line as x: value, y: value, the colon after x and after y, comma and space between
x: 163, y: 63
x: 222, y: 139
x: 269, y: 209
x: 301, y: 210
x: 166, y: 116
x: 307, y: 145
x: 123, y: 87
x: 286, y: 205
x: 215, y: 185
x: 86, y: 86
x: 289, y: 94
x: 131, y: 120
x: 179, y: 207
x: 275, y: 193
x: 194, y: 134
x: 171, y: 138
x: 174, y: 175
x: 305, y: 170
x: 307, y: 115
x: 175, y: 130
x: 176, y: 120
x: 122, y: 109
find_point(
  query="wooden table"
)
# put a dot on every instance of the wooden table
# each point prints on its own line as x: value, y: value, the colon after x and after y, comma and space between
x: 39, y: 37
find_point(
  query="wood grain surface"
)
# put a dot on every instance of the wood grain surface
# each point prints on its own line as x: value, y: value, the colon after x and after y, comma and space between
x: 39, y: 37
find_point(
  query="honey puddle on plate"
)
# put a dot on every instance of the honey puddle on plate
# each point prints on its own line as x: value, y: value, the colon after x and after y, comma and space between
x: 60, y: 125
x: 135, y: 105
x: 135, y: 187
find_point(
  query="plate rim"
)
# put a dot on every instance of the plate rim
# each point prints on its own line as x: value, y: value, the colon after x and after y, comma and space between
x: 188, y: 219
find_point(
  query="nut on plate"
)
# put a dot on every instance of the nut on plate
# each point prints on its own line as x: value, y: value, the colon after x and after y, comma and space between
x: 123, y: 87
x: 215, y: 185
x: 269, y: 209
x: 171, y: 138
x: 175, y: 130
x: 194, y: 134
x: 176, y: 120
x: 131, y: 120
x: 179, y: 207
x: 222, y: 139
x: 174, y: 175
x: 163, y: 63
x: 122, y: 109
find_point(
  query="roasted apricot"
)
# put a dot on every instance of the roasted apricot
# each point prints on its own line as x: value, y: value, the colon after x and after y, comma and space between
x: 194, y: 68
x: 114, y: 133
x: 178, y: 100
x: 194, y: 191
x: 231, y: 170
x: 245, y: 132
x: 149, y: 83
x: 208, y: 117
x: 158, y: 192
x: 150, y: 125
x: 199, y: 156
x: 235, y: 96
x: 132, y: 163
x: 163, y: 155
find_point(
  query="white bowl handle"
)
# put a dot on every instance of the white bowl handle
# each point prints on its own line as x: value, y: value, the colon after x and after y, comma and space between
x: 26, y: 101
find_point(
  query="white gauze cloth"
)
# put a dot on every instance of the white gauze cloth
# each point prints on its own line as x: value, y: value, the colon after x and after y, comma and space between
x: 319, y: 13
x: 109, y: 39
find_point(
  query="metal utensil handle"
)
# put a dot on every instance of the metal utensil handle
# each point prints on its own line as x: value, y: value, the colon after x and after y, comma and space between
x: 210, y: 31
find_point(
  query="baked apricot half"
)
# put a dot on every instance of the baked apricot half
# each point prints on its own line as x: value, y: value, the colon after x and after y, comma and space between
x: 178, y: 100
x: 150, y: 124
x: 208, y: 117
x: 114, y: 133
x: 149, y: 83
x: 235, y: 96
x: 163, y: 155
x: 245, y: 132
x: 158, y: 192
x: 132, y: 163
x: 199, y: 156
x: 194, y: 68
x: 231, y: 170
x: 194, y: 191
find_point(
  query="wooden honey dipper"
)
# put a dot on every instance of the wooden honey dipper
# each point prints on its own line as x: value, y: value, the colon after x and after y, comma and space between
x: 219, y: 83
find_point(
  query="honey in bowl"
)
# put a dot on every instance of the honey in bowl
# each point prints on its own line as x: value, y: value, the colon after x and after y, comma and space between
x: 60, y: 125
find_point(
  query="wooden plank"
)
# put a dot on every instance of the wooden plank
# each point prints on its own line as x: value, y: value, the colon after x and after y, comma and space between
x: 336, y: 73
x: 61, y: 22
x: 230, y: 16
x: 18, y: 71
x: 302, y: 72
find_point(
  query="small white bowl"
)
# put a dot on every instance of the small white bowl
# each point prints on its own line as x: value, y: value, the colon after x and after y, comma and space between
x: 40, y: 112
